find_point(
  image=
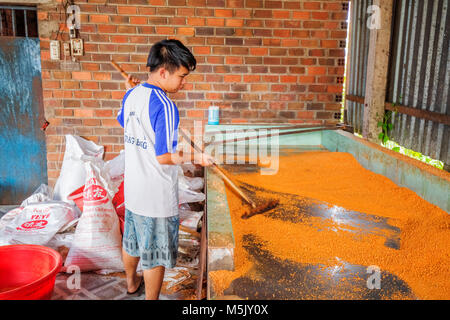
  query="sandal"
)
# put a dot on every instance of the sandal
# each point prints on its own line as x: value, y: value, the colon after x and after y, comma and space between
x: 138, y: 288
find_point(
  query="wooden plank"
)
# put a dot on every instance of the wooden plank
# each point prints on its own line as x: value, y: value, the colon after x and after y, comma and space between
x: 353, y: 98
x: 377, y: 69
x: 348, y: 60
x: 410, y: 111
x: 202, y: 262
x: 419, y: 113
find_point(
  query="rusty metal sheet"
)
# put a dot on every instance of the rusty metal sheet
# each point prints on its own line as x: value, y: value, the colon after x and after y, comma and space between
x: 359, y: 50
x: 419, y: 74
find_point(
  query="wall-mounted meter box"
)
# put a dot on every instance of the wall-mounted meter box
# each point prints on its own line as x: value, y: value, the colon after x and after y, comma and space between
x: 54, y: 50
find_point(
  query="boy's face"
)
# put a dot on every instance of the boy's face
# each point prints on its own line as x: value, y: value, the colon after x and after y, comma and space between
x: 173, y: 82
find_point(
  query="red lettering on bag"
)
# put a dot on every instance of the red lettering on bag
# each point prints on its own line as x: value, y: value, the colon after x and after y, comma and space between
x: 94, y: 195
x: 36, y: 224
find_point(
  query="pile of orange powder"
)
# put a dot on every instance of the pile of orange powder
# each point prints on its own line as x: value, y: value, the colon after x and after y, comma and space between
x: 422, y: 261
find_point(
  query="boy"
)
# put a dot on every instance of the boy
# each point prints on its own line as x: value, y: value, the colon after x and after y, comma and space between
x: 150, y: 121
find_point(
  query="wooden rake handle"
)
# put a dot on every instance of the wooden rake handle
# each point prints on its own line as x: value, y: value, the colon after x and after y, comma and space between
x: 122, y: 72
x: 219, y: 170
x: 186, y: 229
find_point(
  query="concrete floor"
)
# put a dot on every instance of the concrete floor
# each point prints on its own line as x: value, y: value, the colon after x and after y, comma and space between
x: 113, y: 287
x: 180, y: 283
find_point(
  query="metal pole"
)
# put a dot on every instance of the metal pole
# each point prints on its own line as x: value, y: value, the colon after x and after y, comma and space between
x: 1, y: 23
x: 25, y: 22
x: 13, y: 19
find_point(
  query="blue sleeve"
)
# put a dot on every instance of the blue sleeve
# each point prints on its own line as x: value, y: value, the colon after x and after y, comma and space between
x: 164, y: 120
x: 175, y: 135
x: 120, y: 118
x: 161, y: 133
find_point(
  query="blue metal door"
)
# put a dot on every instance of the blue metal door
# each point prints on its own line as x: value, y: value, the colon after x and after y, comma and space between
x: 23, y: 160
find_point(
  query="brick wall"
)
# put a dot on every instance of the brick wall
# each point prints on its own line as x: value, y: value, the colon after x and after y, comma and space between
x: 260, y: 61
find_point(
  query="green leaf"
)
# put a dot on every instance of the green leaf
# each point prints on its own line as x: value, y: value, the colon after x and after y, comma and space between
x: 379, y: 124
x: 396, y: 149
x: 381, y: 136
x: 390, y: 126
x: 385, y: 139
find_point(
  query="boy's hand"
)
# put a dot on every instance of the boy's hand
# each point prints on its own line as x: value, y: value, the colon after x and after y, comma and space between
x: 131, y: 82
x: 206, y: 160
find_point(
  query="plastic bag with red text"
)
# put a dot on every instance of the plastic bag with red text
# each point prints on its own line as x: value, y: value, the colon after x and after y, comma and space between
x: 97, y: 240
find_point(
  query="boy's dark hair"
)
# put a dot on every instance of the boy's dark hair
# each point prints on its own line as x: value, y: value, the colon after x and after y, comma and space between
x: 170, y: 54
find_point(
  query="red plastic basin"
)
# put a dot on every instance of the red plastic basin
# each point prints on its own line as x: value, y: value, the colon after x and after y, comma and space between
x: 77, y: 197
x: 28, y: 272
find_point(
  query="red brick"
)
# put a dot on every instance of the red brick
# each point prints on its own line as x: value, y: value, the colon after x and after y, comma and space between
x: 194, y: 21
x: 196, y: 113
x: 243, y: 13
x: 102, y: 76
x: 188, y: 31
x: 332, y: 6
x: 285, y: 79
x: 234, y: 60
x: 98, y: 18
x: 106, y: 28
x: 102, y: 113
x: 232, y: 78
x: 302, y: 15
x: 126, y: 10
x: 70, y: 84
x: 305, y: 114
x: 306, y: 79
x: 259, y: 51
x: 83, y: 113
x: 282, y: 33
x: 79, y: 94
x: 309, y: 43
x: 215, y: 22
x: 289, y: 42
x: 81, y: 75
x: 89, y: 85
x: 334, y: 89
x: 277, y: 14
x: 252, y: 78
x: 224, y: 13
x: 320, y: 15
x: 138, y: 20
x: 329, y: 44
x: 312, y: 5
x: 165, y: 30
x: 316, y: 70
x: 92, y: 122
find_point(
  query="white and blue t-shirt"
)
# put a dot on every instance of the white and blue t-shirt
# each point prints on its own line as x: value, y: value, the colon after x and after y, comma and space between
x: 150, y: 121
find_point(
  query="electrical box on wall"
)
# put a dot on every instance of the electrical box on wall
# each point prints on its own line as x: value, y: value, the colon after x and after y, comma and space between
x: 54, y: 50
x: 77, y: 47
x: 66, y: 49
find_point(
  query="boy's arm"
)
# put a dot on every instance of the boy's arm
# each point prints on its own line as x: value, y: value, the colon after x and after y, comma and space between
x: 179, y: 158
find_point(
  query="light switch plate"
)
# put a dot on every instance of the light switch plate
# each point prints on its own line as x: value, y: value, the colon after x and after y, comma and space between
x: 77, y: 47
x: 66, y: 49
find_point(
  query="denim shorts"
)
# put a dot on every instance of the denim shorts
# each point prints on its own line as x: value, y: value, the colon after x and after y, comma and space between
x: 154, y: 240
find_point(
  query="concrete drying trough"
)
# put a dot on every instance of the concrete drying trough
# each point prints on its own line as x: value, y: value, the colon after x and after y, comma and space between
x: 354, y: 221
